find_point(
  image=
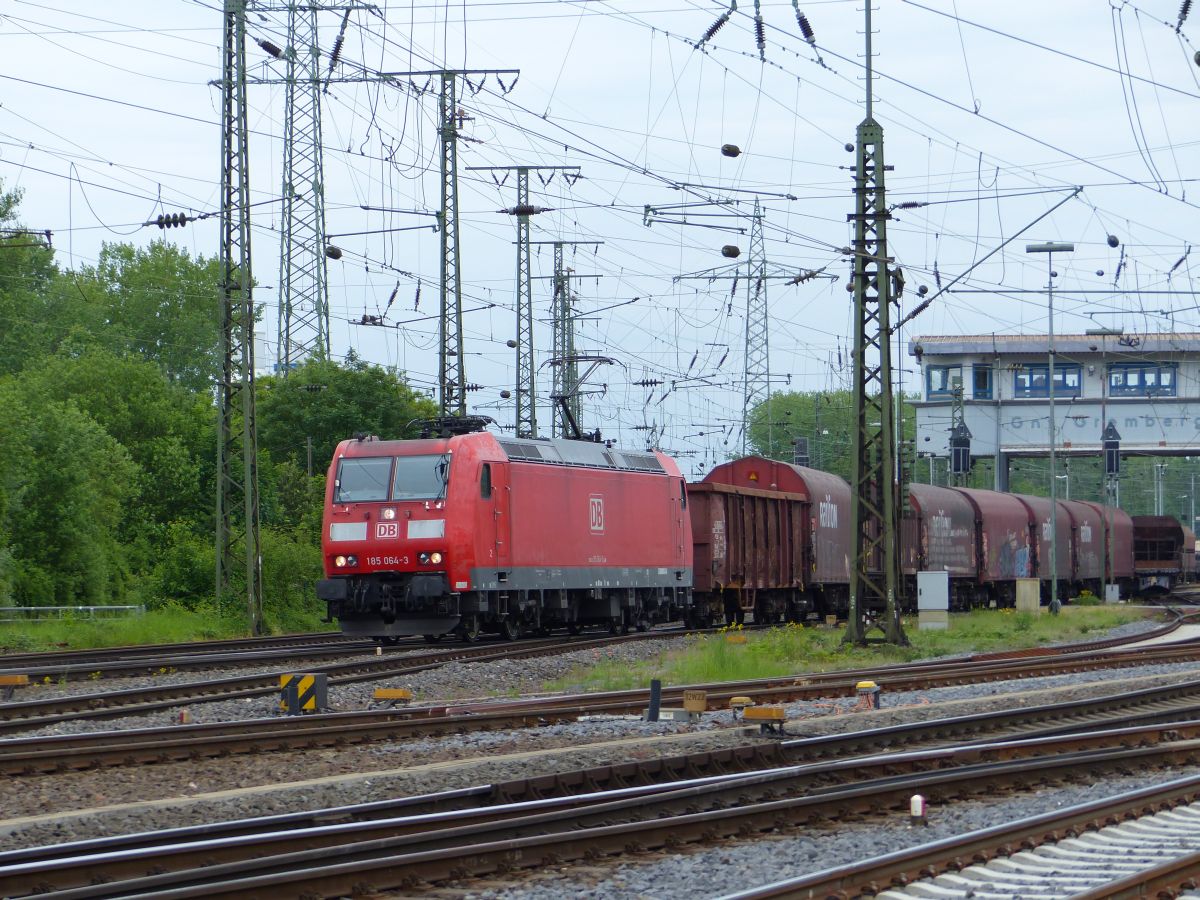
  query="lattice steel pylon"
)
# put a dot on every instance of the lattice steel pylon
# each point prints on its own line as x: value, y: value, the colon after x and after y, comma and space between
x: 451, y: 370
x: 874, y: 571
x: 237, y: 478
x: 525, y: 392
x: 303, y: 274
x: 526, y: 387
x: 758, y: 355
x: 566, y: 374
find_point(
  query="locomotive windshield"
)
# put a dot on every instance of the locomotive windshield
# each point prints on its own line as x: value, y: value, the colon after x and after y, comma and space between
x: 415, y: 478
x: 362, y: 479
x: 420, y: 477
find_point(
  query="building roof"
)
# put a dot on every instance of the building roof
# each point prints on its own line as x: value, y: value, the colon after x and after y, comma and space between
x: 1006, y: 344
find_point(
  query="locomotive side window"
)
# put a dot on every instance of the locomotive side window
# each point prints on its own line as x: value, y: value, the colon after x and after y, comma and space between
x: 485, y: 481
x: 421, y: 477
x: 362, y: 479
x: 683, y: 493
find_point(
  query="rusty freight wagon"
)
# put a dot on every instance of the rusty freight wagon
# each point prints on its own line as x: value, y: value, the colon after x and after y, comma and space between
x: 822, y: 543
x: 939, y: 533
x: 1164, y: 553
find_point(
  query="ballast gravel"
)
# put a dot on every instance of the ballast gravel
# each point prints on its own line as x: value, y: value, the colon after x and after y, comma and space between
x: 237, y: 787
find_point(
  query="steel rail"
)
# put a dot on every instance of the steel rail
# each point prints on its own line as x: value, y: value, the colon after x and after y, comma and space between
x: 404, y: 852
x: 641, y: 779
x: 23, y: 716
x: 60, y: 753
x: 872, y: 876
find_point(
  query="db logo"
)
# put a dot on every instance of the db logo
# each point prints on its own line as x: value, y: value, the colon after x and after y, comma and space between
x: 596, y: 513
x: 385, y: 530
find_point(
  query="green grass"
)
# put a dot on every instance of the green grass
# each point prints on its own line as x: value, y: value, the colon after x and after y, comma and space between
x: 793, y: 649
x: 165, y: 626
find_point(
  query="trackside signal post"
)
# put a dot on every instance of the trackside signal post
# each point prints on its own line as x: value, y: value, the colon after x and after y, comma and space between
x: 874, y: 570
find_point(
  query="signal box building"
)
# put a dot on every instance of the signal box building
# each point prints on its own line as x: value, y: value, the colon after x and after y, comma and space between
x: 1147, y: 386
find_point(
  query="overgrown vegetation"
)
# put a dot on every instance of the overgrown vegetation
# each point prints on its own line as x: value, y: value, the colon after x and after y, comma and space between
x: 795, y: 649
x: 169, y: 624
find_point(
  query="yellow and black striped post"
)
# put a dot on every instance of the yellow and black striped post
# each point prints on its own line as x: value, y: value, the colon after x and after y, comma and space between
x: 301, y: 693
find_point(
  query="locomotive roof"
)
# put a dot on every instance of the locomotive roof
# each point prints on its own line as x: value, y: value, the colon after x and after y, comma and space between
x: 580, y: 453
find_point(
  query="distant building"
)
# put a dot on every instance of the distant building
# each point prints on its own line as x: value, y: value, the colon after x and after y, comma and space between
x: 1147, y: 385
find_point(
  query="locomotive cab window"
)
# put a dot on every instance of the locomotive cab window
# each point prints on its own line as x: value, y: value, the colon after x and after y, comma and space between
x: 485, y: 481
x: 421, y: 477
x: 362, y: 479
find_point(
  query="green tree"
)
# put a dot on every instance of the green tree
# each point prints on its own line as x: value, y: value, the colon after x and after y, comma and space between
x: 31, y: 318
x: 167, y: 431
x: 327, y: 403
x: 156, y: 302
x: 826, y: 418
x: 66, y: 492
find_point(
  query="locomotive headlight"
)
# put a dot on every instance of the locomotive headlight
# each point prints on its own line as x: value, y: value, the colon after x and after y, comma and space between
x: 389, y: 513
x: 339, y: 561
x: 435, y: 558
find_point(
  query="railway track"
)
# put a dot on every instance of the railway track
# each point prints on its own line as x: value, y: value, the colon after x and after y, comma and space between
x: 102, y: 660
x: 482, y: 831
x: 1140, y: 844
x: 23, y: 716
x: 60, y: 753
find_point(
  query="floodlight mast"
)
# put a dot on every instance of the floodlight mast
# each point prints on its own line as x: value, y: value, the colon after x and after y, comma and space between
x: 1050, y: 248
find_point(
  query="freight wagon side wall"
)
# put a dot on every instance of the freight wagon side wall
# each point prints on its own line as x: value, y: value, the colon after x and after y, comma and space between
x: 1006, y: 541
x: 596, y: 519
x: 1088, y: 529
x: 748, y: 539
x: 1039, y: 509
x: 1119, y: 548
x: 946, y: 531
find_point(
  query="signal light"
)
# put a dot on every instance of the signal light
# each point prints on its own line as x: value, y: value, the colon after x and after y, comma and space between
x: 174, y: 220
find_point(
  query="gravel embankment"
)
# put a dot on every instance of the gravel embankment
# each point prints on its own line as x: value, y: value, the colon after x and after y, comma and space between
x: 454, y: 681
x: 212, y: 790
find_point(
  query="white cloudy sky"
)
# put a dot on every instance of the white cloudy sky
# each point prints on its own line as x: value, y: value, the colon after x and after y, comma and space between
x: 108, y: 118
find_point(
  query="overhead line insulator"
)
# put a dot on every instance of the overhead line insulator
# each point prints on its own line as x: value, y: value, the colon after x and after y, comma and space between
x: 174, y: 220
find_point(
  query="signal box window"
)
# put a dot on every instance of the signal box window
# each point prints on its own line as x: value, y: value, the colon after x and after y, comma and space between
x: 981, y: 382
x: 1142, y: 380
x: 420, y: 477
x: 362, y: 479
x: 1033, y: 381
x: 942, y: 381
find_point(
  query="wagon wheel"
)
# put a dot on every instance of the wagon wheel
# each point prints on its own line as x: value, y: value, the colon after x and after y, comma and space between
x: 432, y: 638
x: 468, y: 631
x: 574, y: 628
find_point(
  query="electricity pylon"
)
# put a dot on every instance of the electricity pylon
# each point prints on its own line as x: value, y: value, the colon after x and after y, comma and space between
x: 874, y: 571
x: 758, y: 355
x: 525, y: 391
x: 236, y: 427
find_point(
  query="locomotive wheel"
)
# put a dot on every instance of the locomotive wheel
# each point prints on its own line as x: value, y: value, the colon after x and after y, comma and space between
x: 574, y: 628
x: 509, y: 629
x: 643, y: 625
x: 468, y: 631
x: 432, y: 638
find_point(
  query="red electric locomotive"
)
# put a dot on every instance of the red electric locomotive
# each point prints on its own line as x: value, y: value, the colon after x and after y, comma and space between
x: 475, y: 532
